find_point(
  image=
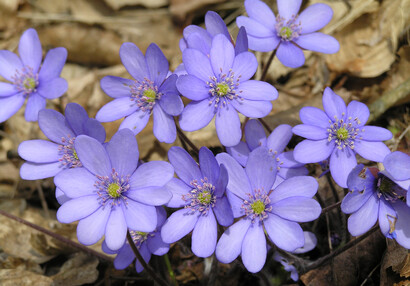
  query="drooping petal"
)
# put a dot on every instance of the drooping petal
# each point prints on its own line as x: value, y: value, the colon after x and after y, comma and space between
x: 30, y: 49
x: 358, y: 110
x: 261, y: 169
x: 254, y: 248
x: 315, y: 17
x: 228, y: 126
x: 39, y: 151
x: 263, y: 44
x: 287, y: 235
x: 310, y: 243
x: 172, y: 104
x: 116, y: 87
x: 240, y: 152
x: 222, y: 54
x: 312, y: 151
x: 402, y: 229
x: 34, y: 171
x: 156, y: 246
x: 288, y: 8
x: 318, y: 42
x: 375, y: 133
x: 310, y: 131
x: 35, y: 103
x: 93, y: 128
x: 76, y: 116
x: 230, y: 244
x: 10, y: 63
x: 373, y: 151
x: 205, y: 235
x: 241, y: 44
x: 255, y: 134
x: 290, y: 55
x: 398, y: 165
x: 341, y: 164
x: 136, y: 121
x: 78, y: 208
x: 116, y: 109
x: 223, y: 212
x: 279, y: 138
x: 155, y: 196
x: 257, y: 90
x: 124, y: 257
x: 179, y: 224
x: 92, y: 155
x: 185, y: 167
x: 53, y: 64
x: 208, y: 165
x: 333, y: 104
x: 140, y: 217
x: 302, y: 186
x: 255, y: 28
x: 164, y: 126
x: 300, y: 209
x: 238, y: 180
x: 197, y: 64
x: 178, y: 189
x: 146, y: 255
x: 196, y: 115
x: 261, y: 12
x: 362, y: 220
x: 53, y: 88
x: 387, y: 216
x: 54, y: 125
x: 134, y: 61
x: 152, y: 174
x: 157, y: 64
x: 92, y: 228
x: 82, y: 185
x: 116, y: 229
x: 353, y: 201
x: 10, y: 105
x: 215, y: 25
x: 314, y: 116
x: 252, y: 108
x: 244, y: 66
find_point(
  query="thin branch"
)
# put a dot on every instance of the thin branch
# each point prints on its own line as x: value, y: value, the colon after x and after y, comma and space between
x: 329, y: 208
x: 267, y: 65
x: 57, y: 236
x: 149, y: 269
x: 186, y: 139
x: 265, y: 125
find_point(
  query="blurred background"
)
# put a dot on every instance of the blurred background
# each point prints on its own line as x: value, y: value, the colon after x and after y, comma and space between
x: 373, y: 66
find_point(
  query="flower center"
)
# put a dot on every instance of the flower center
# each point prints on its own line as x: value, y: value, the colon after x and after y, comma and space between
x: 257, y: 205
x: 25, y: 80
x: 69, y: 157
x: 112, y: 188
x: 344, y: 133
x: 145, y: 94
x: 224, y: 88
x: 389, y: 189
x: 139, y: 237
x: 288, y: 30
x: 201, y: 197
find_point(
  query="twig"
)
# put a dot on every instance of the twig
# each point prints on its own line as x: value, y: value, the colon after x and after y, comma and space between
x: 370, y: 274
x: 267, y: 65
x: 150, y: 271
x: 329, y: 208
x: 57, y: 236
x: 186, y: 139
x: 265, y: 125
x: 396, y: 144
x: 329, y: 239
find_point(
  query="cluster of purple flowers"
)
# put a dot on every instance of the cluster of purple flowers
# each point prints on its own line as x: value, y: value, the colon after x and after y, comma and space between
x: 258, y: 191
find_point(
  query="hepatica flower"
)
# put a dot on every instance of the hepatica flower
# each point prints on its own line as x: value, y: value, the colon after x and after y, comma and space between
x: 276, y: 143
x: 375, y: 197
x: 339, y: 133
x: 29, y: 80
x: 151, y: 91
x: 397, y: 165
x: 219, y: 86
x: 261, y: 209
x: 147, y: 243
x: 201, y: 191
x: 110, y: 194
x: 288, y: 32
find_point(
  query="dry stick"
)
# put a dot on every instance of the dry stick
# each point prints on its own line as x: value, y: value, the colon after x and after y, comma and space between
x: 329, y: 208
x: 189, y: 142
x: 265, y: 125
x: 370, y: 274
x: 149, y: 269
x: 268, y: 63
x: 57, y: 236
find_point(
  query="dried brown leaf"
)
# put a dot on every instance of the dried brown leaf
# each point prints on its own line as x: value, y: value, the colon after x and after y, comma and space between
x: 118, y: 4
x: 16, y: 277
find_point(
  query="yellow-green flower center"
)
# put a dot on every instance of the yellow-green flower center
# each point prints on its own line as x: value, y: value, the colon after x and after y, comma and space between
x: 222, y: 88
x: 205, y: 198
x: 342, y: 133
x: 286, y: 32
x: 150, y: 94
x: 258, y: 207
x: 75, y: 155
x: 29, y: 83
x: 112, y: 190
x: 141, y: 233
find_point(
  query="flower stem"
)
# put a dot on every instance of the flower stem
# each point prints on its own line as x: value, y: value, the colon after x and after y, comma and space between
x: 329, y: 208
x: 265, y: 125
x: 57, y: 236
x: 170, y: 271
x: 189, y: 142
x: 149, y: 269
x: 267, y: 65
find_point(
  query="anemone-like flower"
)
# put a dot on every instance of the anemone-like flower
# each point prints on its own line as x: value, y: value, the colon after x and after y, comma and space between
x: 277, y: 211
x: 151, y: 91
x: 276, y: 143
x: 28, y: 80
x: 288, y: 31
x: 201, y: 191
x: 110, y: 193
x: 339, y: 133
x: 375, y: 197
x: 46, y: 159
x: 147, y: 243
x: 397, y: 165
x: 220, y: 85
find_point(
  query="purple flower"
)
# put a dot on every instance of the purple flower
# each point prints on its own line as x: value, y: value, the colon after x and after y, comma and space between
x: 151, y: 91
x: 201, y: 191
x: 28, y: 80
x: 219, y: 85
x: 397, y: 165
x: 375, y: 197
x: 339, y: 133
x: 288, y: 31
x: 147, y: 244
x: 111, y: 194
x: 276, y: 143
x: 277, y: 211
